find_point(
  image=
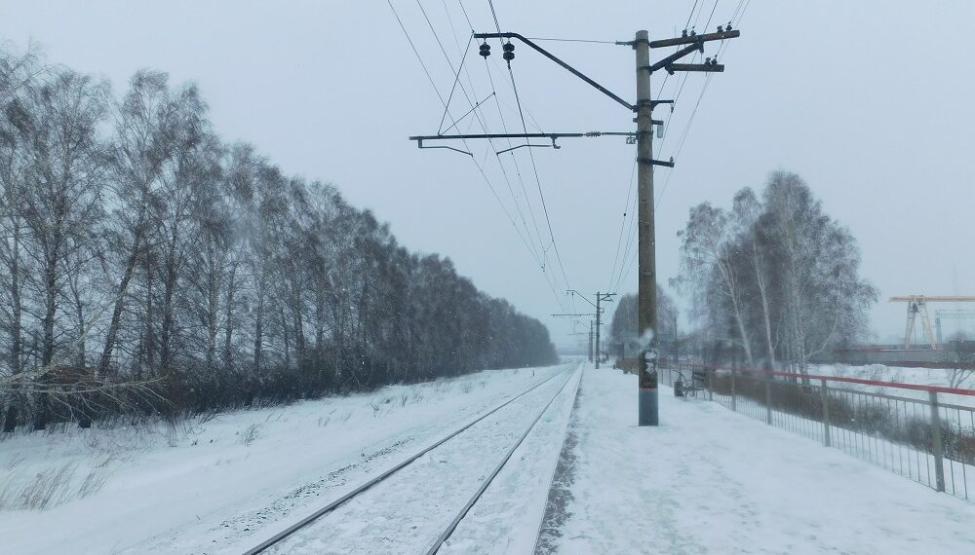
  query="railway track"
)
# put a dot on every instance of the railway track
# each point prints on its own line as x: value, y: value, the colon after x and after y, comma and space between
x: 277, y: 540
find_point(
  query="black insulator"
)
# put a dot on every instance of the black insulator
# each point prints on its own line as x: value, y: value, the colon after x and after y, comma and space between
x: 485, y: 50
x: 720, y: 29
x: 684, y: 33
x: 707, y: 61
x: 729, y: 26
x: 693, y: 33
x: 509, y: 51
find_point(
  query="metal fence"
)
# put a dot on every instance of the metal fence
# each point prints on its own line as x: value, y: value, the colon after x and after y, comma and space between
x: 923, y: 433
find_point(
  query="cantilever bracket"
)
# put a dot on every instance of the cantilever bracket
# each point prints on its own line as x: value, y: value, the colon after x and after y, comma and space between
x: 653, y: 103
x: 419, y: 144
x: 699, y: 46
x: 530, y: 145
x: 555, y: 59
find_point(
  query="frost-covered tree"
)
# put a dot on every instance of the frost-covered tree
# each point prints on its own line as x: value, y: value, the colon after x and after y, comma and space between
x: 151, y: 265
x: 776, y: 272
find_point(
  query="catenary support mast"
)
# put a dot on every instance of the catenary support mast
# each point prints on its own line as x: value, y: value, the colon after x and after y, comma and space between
x: 647, y: 295
x: 647, y: 273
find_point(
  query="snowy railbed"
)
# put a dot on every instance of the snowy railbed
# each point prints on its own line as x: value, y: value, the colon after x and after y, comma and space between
x: 408, y: 511
x: 214, y: 481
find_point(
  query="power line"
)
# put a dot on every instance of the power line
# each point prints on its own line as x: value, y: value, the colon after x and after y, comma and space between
x: 542, y: 262
x: 479, y: 167
x: 628, y: 255
x: 416, y: 52
x: 538, y: 182
x: 454, y: 86
x: 531, y: 156
x: 697, y: 17
x: 495, y: 15
x: 619, y: 240
x: 504, y: 172
x: 710, y: 17
x: 515, y: 160
x: 484, y: 127
x: 740, y: 13
x: 688, y: 22
x: 467, y: 96
x: 554, y: 39
x: 696, y: 55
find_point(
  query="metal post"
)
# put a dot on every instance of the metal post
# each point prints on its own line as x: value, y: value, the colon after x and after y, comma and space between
x: 590, y: 340
x: 936, y: 443
x: 824, y: 396
x: 768, y: 399
x: 734, y: 399
x: 598, y: 324
x: 711, y: 384
x: 647, y: 308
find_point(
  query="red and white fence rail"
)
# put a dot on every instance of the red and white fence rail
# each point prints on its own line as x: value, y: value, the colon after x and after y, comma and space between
x: 923, y: 432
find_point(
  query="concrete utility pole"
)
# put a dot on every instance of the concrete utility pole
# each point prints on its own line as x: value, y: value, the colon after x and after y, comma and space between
x: 647, y: 273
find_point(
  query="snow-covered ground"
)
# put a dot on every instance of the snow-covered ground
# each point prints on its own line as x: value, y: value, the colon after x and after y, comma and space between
x: 712, y: 481
x: 706, y: 481
x: 220, y: 484
x: 407, y: 512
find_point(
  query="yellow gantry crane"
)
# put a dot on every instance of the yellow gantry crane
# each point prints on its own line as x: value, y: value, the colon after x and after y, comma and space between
x: 919, y: 304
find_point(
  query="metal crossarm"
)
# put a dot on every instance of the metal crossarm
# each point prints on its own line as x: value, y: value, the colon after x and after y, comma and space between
x: 707, y: 37
x: 555, y: 59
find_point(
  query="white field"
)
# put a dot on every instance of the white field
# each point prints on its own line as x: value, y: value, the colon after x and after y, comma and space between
x: 960, y: 379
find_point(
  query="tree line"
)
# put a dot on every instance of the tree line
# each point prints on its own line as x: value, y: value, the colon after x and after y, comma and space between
x: 140, y: 248
x: 774, y: 281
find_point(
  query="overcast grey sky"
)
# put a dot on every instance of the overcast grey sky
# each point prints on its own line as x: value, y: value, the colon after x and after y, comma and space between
x: 870, y: 101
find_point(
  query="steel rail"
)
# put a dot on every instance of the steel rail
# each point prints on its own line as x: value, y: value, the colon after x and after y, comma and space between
x: 283, y: 534
x: 487, y: 482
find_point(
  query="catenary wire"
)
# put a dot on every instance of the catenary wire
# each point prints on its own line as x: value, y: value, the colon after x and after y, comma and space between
x: 479, y: 167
